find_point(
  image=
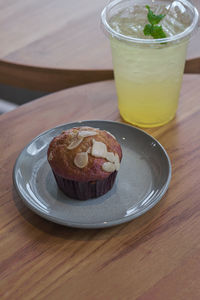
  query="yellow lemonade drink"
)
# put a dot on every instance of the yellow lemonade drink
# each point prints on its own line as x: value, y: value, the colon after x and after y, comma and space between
x: 148, y: 82
x: 148, y: 72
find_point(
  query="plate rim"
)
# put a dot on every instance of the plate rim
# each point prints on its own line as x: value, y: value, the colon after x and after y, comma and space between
x: 90, y: 225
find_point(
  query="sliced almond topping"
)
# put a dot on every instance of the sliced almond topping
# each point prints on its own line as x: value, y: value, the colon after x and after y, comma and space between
x: 117, y: 158
x: 50, y: 157
x: 108, y: 167
x: 81, y: 160
x: 111, y: 134
x: 117, y: 166
x: 86, y: 133
x: 110, y: 157
x: 117, y: 162
x: 89, y: 150
x: 99, y: 149
x: 75, y: 142
x: 73, y: 134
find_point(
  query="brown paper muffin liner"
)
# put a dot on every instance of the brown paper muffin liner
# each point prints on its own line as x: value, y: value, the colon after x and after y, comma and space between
x: 85, y: 190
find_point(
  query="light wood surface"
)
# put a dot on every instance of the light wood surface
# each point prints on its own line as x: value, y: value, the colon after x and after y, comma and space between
x: 49, y: 45
x: 155, y: 256
x: 43, y: 42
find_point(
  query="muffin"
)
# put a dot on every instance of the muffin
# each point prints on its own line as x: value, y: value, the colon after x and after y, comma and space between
x: 84, y: 161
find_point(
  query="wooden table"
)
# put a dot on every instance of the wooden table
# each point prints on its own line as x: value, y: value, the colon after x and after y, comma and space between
x: 49, y: 45
x: 155, y: 256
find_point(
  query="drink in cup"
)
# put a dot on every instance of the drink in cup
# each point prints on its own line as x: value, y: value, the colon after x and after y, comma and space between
x: 148, y: 69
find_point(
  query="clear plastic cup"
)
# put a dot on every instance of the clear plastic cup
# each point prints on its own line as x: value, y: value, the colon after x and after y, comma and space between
x: 148, y: 72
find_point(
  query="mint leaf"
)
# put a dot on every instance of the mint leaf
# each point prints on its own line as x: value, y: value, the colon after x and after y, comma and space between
x: 147, y: 29
x: 156, y: 31
x: 153, y: 19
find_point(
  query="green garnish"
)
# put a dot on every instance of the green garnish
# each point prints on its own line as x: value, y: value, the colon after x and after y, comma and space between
x: 156, y: 31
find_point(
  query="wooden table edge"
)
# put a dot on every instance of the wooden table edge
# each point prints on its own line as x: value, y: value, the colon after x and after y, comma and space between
x: 48, y: 79
x: 53, y: 79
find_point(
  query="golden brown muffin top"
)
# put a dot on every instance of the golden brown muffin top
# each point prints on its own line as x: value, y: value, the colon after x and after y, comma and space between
x: 84, y: 154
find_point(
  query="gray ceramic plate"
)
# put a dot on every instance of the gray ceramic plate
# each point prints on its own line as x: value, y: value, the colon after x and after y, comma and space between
x: 142, y: 180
